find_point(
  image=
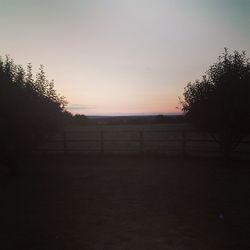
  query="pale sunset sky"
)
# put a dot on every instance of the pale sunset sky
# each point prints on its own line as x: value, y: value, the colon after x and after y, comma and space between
x: 123, y: 56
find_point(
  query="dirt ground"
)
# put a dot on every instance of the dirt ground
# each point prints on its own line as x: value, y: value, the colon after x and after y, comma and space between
x: 136, y: 203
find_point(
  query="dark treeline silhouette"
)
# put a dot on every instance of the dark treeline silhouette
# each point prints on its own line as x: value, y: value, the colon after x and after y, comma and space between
x: 124, y: 120
x: 219, y: 103
x: 31, y: 110
x: 77, y: 119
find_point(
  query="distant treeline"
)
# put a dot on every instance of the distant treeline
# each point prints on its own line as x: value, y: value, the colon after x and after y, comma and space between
x: 117, y: 120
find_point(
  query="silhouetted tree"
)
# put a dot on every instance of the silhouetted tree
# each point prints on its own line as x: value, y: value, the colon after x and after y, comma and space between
x: 160, y: 119
x: 219, y: 103
x: 67, y: 118
x: 80, y: 119
x: 31, y: 110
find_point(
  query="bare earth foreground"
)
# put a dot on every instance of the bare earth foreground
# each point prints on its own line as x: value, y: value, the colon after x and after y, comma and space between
x: 125, y: 203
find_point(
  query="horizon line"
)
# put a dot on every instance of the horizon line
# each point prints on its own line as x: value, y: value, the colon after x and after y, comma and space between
x: 132, y: 114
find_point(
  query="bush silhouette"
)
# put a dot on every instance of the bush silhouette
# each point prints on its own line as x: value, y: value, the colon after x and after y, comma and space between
x: 31, y: 110
x: 219, y: 103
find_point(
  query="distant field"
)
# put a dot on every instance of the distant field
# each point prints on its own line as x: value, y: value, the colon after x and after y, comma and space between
x: 168, y: 139
x: 135, y: 127
x: 125, y: 203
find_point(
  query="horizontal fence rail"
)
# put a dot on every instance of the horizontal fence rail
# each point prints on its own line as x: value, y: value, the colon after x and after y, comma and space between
x: 167, y: 142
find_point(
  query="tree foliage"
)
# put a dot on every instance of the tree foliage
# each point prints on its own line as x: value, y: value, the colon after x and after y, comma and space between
x: 219, y: 103
x: 31, y: 109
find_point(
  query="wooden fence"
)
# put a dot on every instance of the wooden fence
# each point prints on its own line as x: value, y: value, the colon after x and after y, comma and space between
x: 165, y: 142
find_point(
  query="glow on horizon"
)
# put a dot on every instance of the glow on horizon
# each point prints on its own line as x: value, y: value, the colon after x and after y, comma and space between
x: 123, y: 56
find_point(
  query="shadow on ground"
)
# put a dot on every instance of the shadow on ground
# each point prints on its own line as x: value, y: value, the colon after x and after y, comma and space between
x: 125, y: 203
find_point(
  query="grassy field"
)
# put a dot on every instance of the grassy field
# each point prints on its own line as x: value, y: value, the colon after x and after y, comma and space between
x: 125, y: 139
x: 149, y: 139
x: 118, y: 203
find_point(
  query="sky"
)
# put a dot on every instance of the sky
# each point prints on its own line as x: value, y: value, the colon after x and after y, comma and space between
x: 123, y: 56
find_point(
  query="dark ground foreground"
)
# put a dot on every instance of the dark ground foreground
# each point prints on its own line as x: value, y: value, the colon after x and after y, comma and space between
x: 125, y: 203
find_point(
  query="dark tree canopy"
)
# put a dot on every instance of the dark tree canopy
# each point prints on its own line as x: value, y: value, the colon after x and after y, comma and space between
x: 219, y: 103
x: 31, y: 110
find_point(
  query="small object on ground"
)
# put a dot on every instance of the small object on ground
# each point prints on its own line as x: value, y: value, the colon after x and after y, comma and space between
x: 221, y: 216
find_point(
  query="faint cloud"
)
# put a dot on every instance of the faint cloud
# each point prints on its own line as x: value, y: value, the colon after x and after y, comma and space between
x: 80, y: 106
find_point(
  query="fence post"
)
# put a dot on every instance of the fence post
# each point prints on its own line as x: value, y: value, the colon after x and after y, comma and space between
x: 141, y: 142
x: 65, y: 145
x: 102, y: 141
x: 184, y: 144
